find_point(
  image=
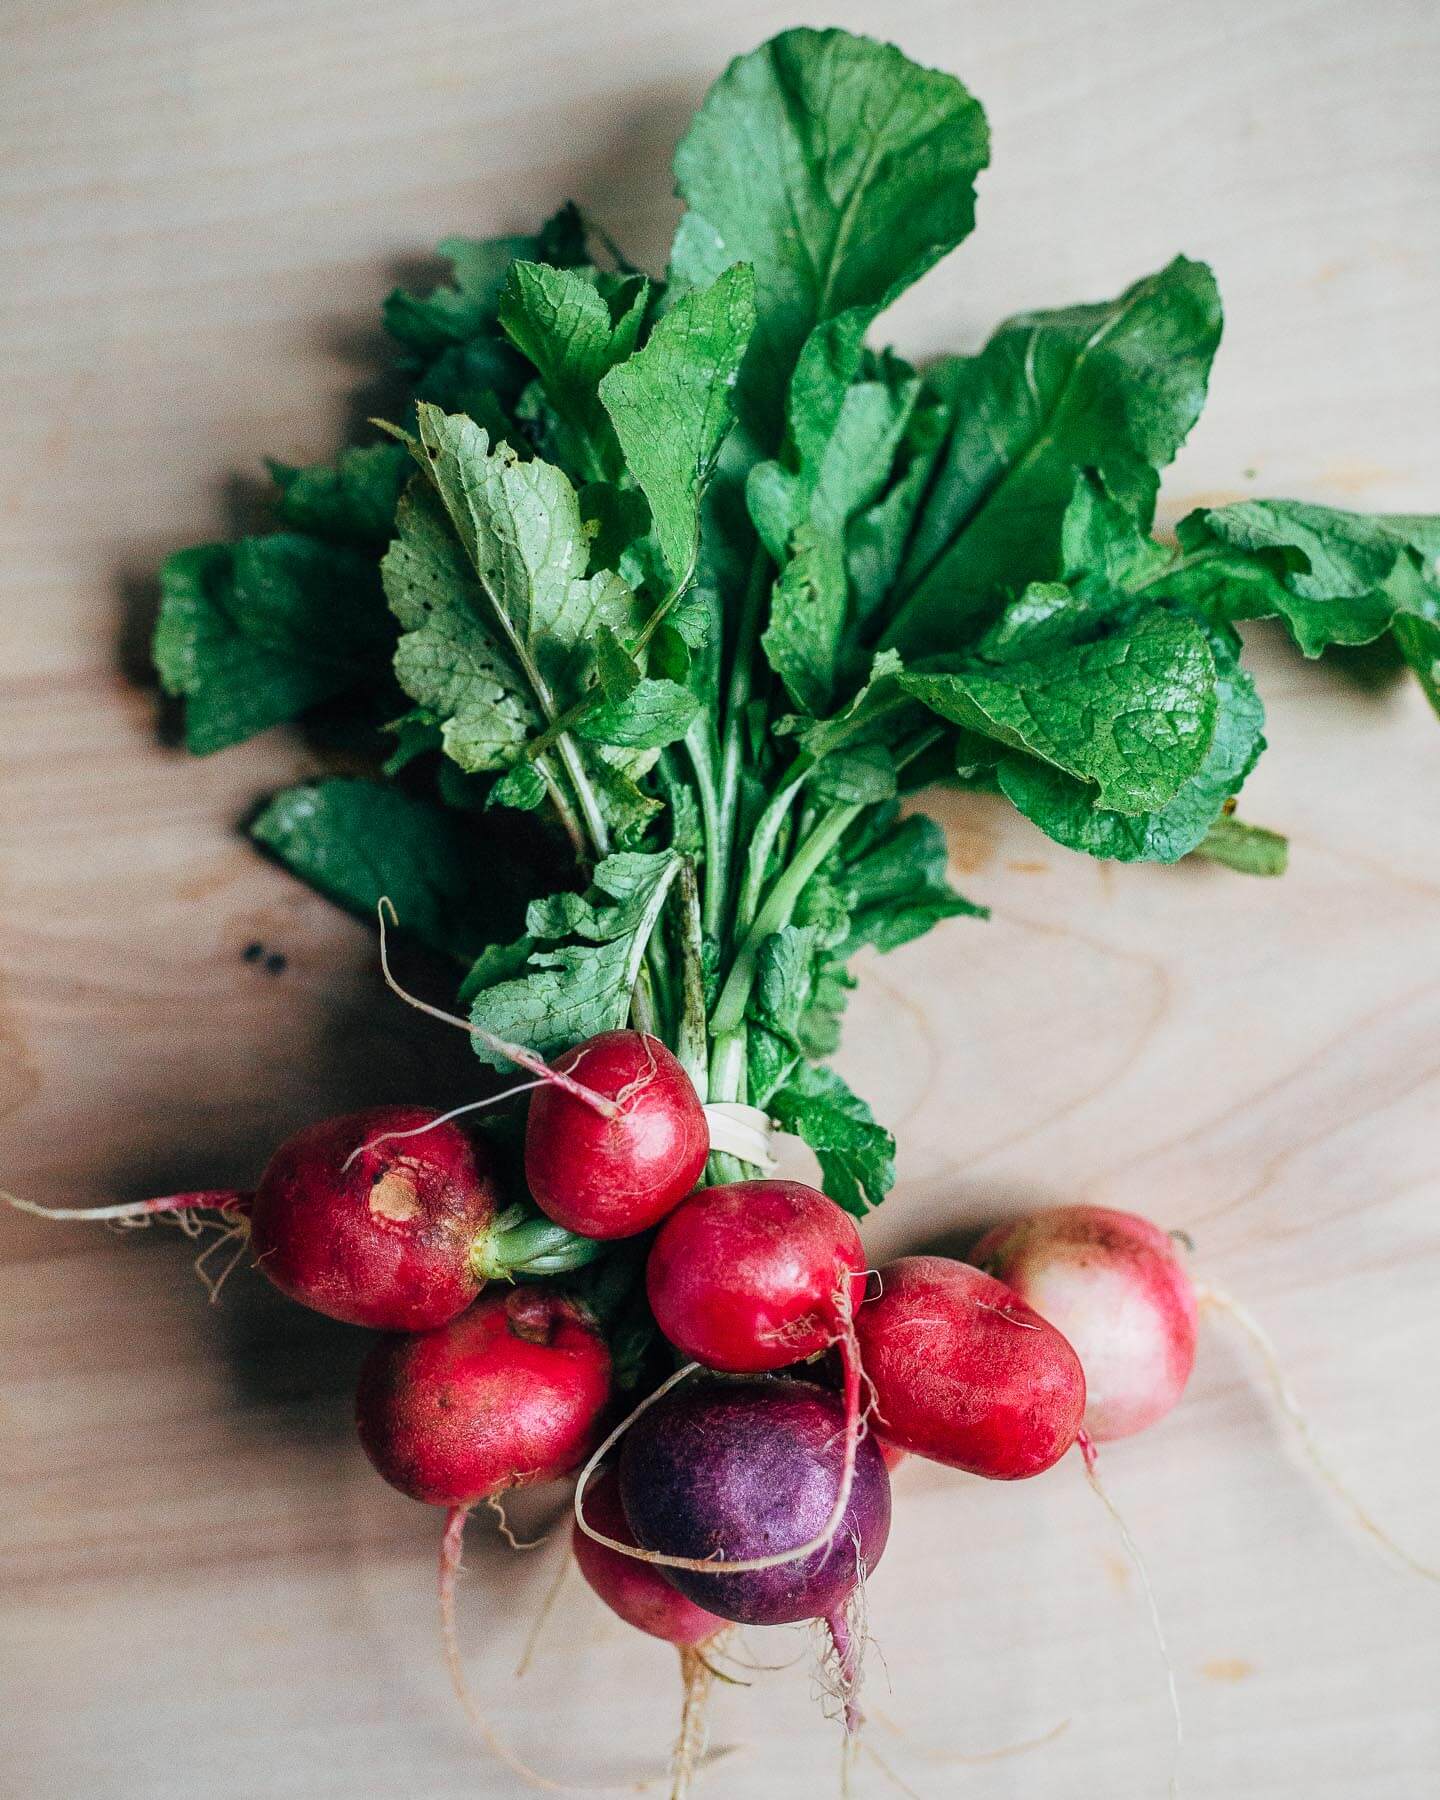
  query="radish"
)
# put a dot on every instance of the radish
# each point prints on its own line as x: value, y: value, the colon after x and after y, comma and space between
x: 633, y: 1590
x: 747, y: 1471
x: 385, y: 1218
x: 1115, y: 1285
x: 755, y: 1275
x: 507, y: 1394
x: 610, y: 1174
x: 965, y: 1373
x: 642, y: 1597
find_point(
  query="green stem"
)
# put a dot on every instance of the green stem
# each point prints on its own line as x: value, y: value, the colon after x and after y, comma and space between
x: 691, y: 1036
x: 585, y: 794
x: 747, y: 633
x: 767, y: 829
x: 517, y: 1245
x: 564, y: 811
x: 773, y: 916
x: 698, y: 745
x: 642, y: 999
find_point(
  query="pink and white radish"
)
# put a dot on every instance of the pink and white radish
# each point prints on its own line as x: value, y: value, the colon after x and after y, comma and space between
x: 1116, y: 1287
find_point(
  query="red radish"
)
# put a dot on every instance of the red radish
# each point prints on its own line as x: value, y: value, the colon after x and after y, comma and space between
x: 643, y: 1598
x: 507, y: 1394
x: 756, y: 1275
x: 612, y: 1175
x: 374, y: 1227
x: 639, y: 1594
x: 385, y: 1218
x: 965, y: 1373
x: 1116, y: 1286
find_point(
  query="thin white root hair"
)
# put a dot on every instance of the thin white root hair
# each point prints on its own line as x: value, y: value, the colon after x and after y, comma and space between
x: 950, y: 1757
x: 1213, y: 1300
x: 237, y: 1234
x: 456, y: 1112
x: 134, y: 1212
x: 502, y: 1524
x: 718, y: 1564
x: 542, y: 1618
x: 516, y: 1053
x: 841, y: 1673
x: 893, y: 1776
x: 1132, y: 1550
x: 696, y: 1679
x: 451, y: 1547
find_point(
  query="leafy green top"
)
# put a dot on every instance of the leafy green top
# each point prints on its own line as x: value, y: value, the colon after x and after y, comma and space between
x: 705, y: 585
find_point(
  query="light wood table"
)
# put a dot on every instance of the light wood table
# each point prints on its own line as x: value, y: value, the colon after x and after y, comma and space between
x: 203, y: 1589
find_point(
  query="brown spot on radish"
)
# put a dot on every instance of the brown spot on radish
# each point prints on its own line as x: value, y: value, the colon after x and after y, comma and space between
x: 1227, y: 1668
x: 393, y: 1197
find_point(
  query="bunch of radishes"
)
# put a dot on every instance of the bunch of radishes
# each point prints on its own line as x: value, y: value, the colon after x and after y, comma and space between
x: 751, y: 1485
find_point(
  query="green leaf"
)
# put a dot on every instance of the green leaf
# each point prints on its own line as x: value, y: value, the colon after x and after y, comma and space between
x: 520, y: 524
x: 450, y: 659
x: 574, y: 332
x: 1104, y: 546
x: 523, y: 788
x: 351, y: 500
x: 878, y: 535
x: 864, y: 776
x: 784, y: 986
x: 842, y: 440
x: 841, y: 170
x: 881, y: 713
x: 857, y: 1156
x: 1333, y: 577
x: 581, y: 982
x: 1113, y: 387
x: 357, y: 841
x: 672, y: 406
x: 654, y: 713
x: 428, y: 324
x: 895, y: 884
x: 1132, y: 713
x: 1248, y: 849
x: 1067, y: 810
x: 1419, y: 644
x: 255, y: 633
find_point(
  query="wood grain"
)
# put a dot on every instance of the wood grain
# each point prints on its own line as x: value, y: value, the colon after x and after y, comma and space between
x: 202, y: 1587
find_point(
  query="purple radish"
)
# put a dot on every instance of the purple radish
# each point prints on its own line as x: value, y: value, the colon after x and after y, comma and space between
x: 748, y: 1468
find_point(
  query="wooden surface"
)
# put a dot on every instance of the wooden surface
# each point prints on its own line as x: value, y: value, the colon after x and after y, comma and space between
x: 203, y: 1589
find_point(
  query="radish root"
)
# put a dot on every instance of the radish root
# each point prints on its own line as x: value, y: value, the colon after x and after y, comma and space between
x: 719, y: 1564
x: 496, y: 1506
x: 136, y: 1212
x: 1132, y: 1550
x: 451, y: 1547
x: 516, y: 1053
x: 456, y: 1112
x: 696, y: 1678
x: 1213, y: 1300
x: 542, y: 1618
